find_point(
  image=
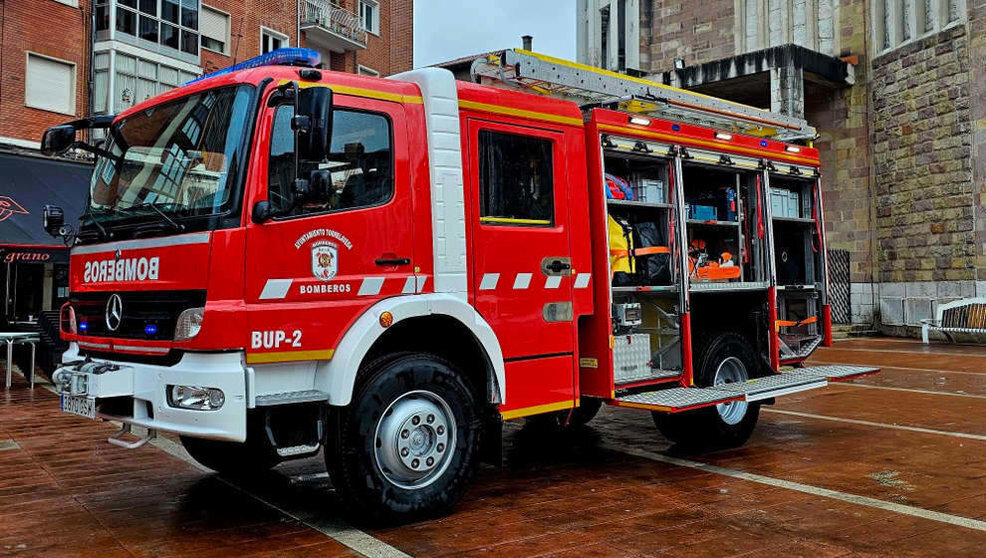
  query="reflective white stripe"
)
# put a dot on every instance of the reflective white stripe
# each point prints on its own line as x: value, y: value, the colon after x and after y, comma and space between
x: 582, y: 281
x: 552, y: 282
x: 408, y: 285
x: 522, y: 281
x: 276, y: 288
x: 370, y: 286
x: 85, y: 345
x: 422, y: 280
x: 181, y: 240
x: 489, y: 281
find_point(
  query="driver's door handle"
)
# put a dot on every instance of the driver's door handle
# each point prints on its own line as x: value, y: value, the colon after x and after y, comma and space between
x: 389, y: 262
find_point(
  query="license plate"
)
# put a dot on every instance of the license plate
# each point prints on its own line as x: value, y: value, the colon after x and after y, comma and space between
x: 82, y: 406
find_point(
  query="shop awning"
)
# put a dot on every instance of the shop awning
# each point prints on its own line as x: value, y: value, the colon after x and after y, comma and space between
x: 27, y: 184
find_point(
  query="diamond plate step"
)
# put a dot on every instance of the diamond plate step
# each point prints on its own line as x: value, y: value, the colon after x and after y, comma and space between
x: 775, y: 386
x: 290, y: 397
x: 676, y: 400
x: 836, y: 372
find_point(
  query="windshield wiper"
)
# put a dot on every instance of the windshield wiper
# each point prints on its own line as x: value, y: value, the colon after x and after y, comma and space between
x: 103, y: 233
x: 178, y: 227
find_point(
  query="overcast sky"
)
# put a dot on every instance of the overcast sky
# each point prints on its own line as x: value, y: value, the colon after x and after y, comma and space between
x: 449, y: 29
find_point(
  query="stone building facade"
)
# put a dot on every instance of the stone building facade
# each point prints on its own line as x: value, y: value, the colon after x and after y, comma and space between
x: 897, y: 92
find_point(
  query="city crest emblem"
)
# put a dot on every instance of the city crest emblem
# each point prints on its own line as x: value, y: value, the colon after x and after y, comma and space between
x: 325, y: 260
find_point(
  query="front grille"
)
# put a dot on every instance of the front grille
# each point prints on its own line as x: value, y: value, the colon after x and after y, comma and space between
x: 172, y: 358
x: 146, y: 315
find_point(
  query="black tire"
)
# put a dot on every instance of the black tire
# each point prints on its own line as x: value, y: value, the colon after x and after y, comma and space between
x: 575, y: 418
x: 706, y: 428
x: 357, y: 451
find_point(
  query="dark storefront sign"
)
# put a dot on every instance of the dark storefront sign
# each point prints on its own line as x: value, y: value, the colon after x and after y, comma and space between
x: 34, y: 265
x: 27, y: 184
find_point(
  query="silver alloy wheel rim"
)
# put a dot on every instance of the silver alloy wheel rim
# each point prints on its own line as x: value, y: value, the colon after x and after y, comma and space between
x: 415, y: 440
x: 731, y: 371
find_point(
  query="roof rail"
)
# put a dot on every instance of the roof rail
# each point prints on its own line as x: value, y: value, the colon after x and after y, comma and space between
x: 590, y: 87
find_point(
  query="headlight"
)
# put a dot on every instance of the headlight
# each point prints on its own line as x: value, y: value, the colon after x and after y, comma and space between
x: 196, y: 398
x: 189, y: 323
x: 68, y: 323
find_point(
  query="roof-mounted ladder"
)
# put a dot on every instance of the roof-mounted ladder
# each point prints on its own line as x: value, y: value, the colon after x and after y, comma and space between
x: 593, y: 86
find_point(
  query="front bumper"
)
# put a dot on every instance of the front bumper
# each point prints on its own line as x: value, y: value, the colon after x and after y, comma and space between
x: 137, y: 394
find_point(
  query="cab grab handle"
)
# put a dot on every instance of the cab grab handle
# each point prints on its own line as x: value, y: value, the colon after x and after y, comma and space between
x: 387, y: 262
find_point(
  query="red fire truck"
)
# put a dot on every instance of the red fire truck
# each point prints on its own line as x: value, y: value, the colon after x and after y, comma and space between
x: 278, y: 260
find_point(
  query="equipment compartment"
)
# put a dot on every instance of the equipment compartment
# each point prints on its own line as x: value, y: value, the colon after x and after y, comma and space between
x: 724, y: 227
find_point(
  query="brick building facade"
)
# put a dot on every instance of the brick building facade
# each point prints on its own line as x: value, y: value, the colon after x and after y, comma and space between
x: 29, y: 50
x: 895, y: 89
x: 108, y: 55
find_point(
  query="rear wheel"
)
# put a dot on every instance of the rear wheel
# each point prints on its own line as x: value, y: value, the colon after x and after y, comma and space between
x: 727, y: 359
x: 407, y: 444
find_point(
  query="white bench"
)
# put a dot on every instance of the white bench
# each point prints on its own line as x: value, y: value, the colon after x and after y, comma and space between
x: 961, y: 316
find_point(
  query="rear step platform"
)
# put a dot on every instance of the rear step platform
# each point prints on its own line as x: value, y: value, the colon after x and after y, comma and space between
x: 679, y: 399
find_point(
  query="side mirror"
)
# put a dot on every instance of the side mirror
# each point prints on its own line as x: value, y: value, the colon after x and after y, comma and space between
x: 320, y: 184
x: 262, y: 212
x: 58, y: 139
x: 54, y: 220
x: 313, y: 123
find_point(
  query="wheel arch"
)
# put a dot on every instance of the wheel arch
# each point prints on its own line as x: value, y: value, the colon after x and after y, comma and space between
x: 438, y: 323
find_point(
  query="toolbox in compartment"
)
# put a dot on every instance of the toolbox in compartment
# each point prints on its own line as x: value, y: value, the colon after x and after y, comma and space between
x: 631, y: 356
x: 646, y: 338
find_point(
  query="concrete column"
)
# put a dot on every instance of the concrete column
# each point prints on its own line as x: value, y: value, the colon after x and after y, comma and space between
x: 787, y: 91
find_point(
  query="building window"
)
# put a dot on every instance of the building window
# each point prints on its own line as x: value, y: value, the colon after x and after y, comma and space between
x: 49, y: 84
x: 367, y: 71
x: 361, y: 162
x: 135, y: 81
x: 369, y: 16
x: 170, y: 23
x: 898, y: 22
x: 272, y: 40
x: 515, y: 179
x: 214, y: 26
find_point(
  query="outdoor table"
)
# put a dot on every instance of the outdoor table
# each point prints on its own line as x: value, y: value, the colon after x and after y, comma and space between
x: 19, y: 337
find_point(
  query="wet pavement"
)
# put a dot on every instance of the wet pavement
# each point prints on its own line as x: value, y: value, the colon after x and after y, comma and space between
x: 892, y: 464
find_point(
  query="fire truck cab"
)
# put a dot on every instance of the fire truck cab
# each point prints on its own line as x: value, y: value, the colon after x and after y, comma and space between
x: 278, y: 260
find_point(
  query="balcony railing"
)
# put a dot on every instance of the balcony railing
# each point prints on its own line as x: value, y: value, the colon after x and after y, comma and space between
x: 335, y: 20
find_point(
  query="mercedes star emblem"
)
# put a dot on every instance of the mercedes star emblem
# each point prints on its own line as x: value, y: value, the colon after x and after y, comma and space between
x: 114, y: 312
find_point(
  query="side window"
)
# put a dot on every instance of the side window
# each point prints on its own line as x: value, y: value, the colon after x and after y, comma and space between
x: 361, y: 161
x: 515, y: 179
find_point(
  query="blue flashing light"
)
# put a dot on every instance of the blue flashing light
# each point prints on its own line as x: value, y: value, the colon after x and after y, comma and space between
x: 763, y: 143
x: 83, y: 326
x: 676, y: 127
x: 288, y: 56
x: 150, y: 329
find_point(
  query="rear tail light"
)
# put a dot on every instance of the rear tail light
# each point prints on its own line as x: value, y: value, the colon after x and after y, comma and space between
x: 67, y: 320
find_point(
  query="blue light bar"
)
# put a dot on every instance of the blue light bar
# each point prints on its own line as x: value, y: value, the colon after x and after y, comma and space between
x: 289, y: 56
x: 150, y: 329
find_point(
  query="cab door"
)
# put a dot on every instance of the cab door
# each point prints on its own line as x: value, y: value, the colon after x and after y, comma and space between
x: 521, y: 276
x: 313, y: 270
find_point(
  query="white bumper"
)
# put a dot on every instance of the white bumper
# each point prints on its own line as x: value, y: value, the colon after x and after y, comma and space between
x: 147, y: 387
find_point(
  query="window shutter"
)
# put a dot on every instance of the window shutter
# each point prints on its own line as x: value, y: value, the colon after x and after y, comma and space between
x: 50, y: 85
x: 213, y: 24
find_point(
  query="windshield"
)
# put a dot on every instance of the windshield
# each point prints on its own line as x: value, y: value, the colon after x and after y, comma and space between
x: 181, y: 158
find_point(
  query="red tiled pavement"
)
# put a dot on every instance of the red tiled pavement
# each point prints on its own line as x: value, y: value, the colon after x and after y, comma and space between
x: 65, y: 491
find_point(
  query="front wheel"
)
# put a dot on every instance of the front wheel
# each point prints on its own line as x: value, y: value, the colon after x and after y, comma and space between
x: 407, y: 444
x: 727, y: 359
